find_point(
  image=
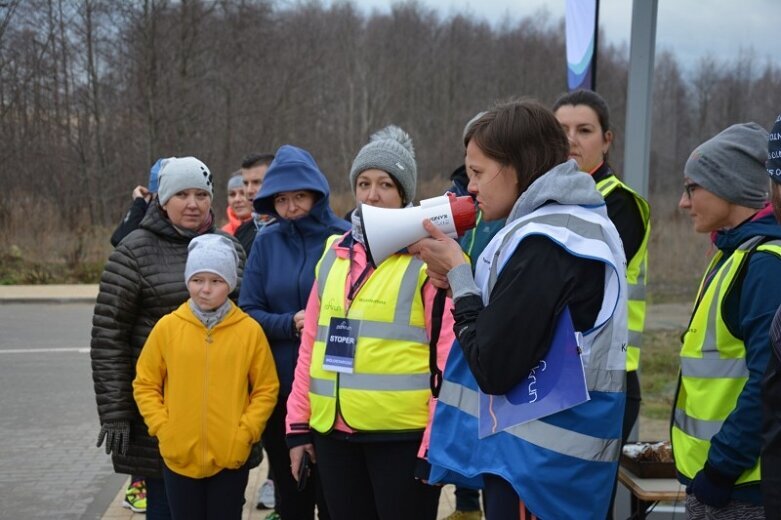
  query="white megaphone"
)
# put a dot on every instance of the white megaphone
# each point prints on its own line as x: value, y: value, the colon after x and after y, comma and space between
x: 387, y: 231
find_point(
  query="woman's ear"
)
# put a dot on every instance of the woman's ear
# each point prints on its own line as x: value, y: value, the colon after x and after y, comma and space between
x: 608, y: 140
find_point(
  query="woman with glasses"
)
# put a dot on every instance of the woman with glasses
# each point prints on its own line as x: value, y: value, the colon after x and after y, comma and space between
x: 277, y: 281
x: 717, y: 417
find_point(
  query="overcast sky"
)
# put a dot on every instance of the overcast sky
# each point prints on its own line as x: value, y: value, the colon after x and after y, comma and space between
x: 690, y: 29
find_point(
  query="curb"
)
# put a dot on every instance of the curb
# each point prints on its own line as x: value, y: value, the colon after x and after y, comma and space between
x: 20, y: 294
x: 46, y: 299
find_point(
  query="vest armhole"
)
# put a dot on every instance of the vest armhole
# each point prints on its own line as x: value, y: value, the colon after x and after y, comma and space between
x: 736, y: 285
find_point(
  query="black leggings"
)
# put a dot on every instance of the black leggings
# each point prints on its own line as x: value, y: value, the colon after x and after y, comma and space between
x: 291, y: 504
x: 373, y: 480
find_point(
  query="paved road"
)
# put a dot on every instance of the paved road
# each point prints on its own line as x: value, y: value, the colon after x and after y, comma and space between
x: 49, y: 466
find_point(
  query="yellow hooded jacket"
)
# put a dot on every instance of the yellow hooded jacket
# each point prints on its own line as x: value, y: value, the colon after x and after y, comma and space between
x: 205, y: 394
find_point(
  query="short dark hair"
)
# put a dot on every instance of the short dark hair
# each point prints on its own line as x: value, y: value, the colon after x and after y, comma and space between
x: 523, y: 134
x: 251, y: 160
x: 589, y: 98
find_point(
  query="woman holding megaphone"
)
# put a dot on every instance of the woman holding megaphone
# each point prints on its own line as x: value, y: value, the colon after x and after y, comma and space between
x: 554, y: 273
x: 362, y: 393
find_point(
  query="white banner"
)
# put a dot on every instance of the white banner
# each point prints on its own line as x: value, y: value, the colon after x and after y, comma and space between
x: 581, y: 23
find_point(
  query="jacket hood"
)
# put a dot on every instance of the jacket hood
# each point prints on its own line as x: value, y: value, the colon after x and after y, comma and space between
x: 460, y: 181
x: 762, y: 224
x: 564, y: 184
x: 292, y: 169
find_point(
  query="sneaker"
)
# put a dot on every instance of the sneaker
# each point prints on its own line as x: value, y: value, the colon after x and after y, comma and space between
x: 135, y: 497
x: 465, y: 515
x: 266, y: 495
x: 273, y: 516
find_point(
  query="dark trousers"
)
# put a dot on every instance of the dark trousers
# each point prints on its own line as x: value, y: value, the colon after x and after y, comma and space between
x: 631, y: 411
x: 157, y: 507
x: 290, y: 503
x: 211, y: 498
x: 467, y: 499
x: 500, y: 499
x: 373, y: 480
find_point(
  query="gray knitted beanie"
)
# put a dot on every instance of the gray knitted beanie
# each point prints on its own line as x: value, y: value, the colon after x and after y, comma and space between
x: 731, y: 165
x: 183, y: 173
x: 212, y: 253
x: 235, y: 182
x: 391, y: 151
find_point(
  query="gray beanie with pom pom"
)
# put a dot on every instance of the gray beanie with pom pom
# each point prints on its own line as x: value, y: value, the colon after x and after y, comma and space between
x: 391, y: 151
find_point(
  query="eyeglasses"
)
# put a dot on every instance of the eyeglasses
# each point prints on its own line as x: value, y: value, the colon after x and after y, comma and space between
x: 689, y: 189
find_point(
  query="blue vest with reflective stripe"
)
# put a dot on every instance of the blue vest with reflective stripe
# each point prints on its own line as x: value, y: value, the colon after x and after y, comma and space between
x: 563, y: 465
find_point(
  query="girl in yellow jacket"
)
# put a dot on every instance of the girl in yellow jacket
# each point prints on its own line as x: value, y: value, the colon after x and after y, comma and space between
x: 206, y: 385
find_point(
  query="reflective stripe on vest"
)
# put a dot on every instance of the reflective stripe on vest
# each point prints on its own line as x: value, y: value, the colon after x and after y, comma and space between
x: 390, y: 388
x: 636, y: 270
x: 539, y: 433
x: 713, y: 366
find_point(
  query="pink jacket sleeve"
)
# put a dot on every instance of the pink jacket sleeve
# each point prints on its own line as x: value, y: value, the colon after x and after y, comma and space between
x: 298, y: 407
x: 446, y: 337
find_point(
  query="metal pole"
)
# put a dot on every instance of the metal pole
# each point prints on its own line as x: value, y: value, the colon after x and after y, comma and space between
x: 593, y: 85
x: 637, y: 148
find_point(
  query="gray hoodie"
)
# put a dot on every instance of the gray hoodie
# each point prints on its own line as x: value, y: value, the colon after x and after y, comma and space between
x: 564, y: 184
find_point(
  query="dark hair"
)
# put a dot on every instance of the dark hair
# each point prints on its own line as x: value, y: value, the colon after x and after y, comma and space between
x: 254, y: 159
x: 400, y: 189
x: 396, y: 183
x: 592, y: 100
x: 522, y: 134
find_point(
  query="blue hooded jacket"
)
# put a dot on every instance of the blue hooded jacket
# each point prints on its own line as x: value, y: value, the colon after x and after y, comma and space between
x: 280, y: 270
x: 748, y: 313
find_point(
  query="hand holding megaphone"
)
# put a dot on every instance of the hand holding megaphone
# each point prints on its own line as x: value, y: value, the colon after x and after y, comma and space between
x: 387, y: 231
x: 440, y: 252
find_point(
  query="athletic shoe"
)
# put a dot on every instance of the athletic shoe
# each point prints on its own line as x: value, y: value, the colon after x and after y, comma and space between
x: 135, y: 497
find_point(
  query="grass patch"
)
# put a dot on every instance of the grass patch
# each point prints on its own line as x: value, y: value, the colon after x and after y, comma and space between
x: 16, y: 270
x: 659, y: 365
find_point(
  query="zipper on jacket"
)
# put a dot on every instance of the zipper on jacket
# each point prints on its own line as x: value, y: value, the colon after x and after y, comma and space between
x: 204, y: 402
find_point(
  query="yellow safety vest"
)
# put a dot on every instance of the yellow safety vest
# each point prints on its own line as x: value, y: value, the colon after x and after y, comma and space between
x: 636, y: 270
x: 390, y: 388
x: 713, y: 367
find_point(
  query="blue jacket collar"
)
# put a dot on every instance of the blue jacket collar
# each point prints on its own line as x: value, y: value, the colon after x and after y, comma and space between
x: 763, y: 223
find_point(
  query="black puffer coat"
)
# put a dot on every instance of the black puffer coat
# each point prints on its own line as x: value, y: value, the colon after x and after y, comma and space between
x: 142, y: 281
